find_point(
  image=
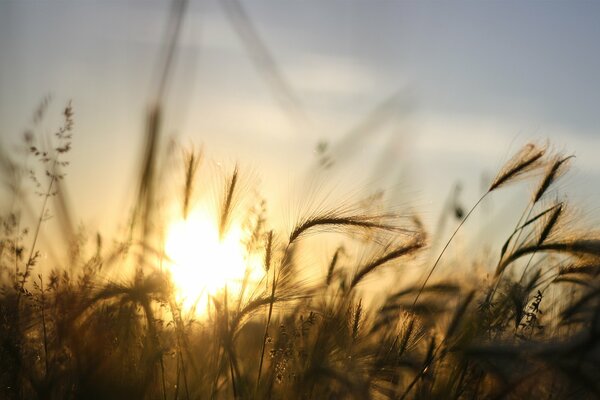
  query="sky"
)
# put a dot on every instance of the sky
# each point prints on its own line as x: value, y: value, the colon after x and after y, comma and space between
x: 412, y: 96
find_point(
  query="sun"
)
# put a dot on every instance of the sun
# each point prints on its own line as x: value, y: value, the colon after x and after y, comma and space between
x: 201, y: 263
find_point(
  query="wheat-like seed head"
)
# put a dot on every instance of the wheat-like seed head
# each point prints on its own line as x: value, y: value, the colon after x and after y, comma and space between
x: 555, y: 169
x: 526, y: 160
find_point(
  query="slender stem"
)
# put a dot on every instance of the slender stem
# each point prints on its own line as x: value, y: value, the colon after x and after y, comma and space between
x: 227, y: 346
x: 162, y: 374
x: 262, y: 352
x: 523, y: 218
x: 446, y: 246
x: 177, y: 376
x: 180, y: 340
x: 499, y: 277
x: 235, y: 396
x: 17, y: 252
x: 422, y: 371
x: 28, y: 265
x: 145, y: 303
x: 180, y: 353
x: 36, y: 233
x: 441, y: 350
x: 526, y: 267
x: 44, y: 327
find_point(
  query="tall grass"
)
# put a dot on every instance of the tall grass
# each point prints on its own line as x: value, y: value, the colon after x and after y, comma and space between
x: 530, y: 329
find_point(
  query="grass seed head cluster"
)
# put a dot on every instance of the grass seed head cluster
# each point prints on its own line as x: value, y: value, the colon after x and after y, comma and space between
x: 529, y: 329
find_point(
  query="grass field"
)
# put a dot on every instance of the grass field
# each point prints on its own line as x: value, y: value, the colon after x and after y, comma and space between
x: 221, y: 310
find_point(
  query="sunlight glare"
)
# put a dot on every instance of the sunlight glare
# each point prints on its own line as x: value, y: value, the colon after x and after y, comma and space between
x: 202, y: 264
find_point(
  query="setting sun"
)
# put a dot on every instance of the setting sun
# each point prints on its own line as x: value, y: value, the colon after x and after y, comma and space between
x: 202, y: 263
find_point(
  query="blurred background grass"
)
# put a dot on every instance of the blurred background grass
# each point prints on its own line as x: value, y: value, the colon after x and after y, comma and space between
x: 395, y: 88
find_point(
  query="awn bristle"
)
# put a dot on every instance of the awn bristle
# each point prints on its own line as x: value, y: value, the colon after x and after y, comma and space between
x: 527, y: 159
x: 589, y: 247
x: 333, y: 220
x: 591, y: 269
x: 551, y: 223
x: 553, y: 173
x: 397, y: 252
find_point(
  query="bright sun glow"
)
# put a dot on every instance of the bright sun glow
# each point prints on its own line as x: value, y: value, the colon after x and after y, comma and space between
x: 201, y: 263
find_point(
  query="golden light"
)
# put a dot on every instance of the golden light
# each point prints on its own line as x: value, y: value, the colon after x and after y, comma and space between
x: 202, y: 264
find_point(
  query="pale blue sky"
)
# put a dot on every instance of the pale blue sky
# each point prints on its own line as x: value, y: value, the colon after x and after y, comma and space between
x: 476, y: 79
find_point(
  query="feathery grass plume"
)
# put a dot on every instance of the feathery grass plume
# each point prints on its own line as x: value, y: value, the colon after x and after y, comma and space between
x: 226, y: 206
x: 551, y: 222
x: 336, y: 221
x: 390, y: 254
x: 526, y: 160
x: 554, y: 171
x: 526, y: 224
x: 191, y: 161
x: 576, y: 247
x: 589, y: 268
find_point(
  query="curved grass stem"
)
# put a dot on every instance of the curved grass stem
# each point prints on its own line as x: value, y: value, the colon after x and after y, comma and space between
x: 446, y: 247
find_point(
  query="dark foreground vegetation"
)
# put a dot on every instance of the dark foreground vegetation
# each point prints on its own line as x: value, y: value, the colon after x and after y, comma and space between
x: 529, y: 327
